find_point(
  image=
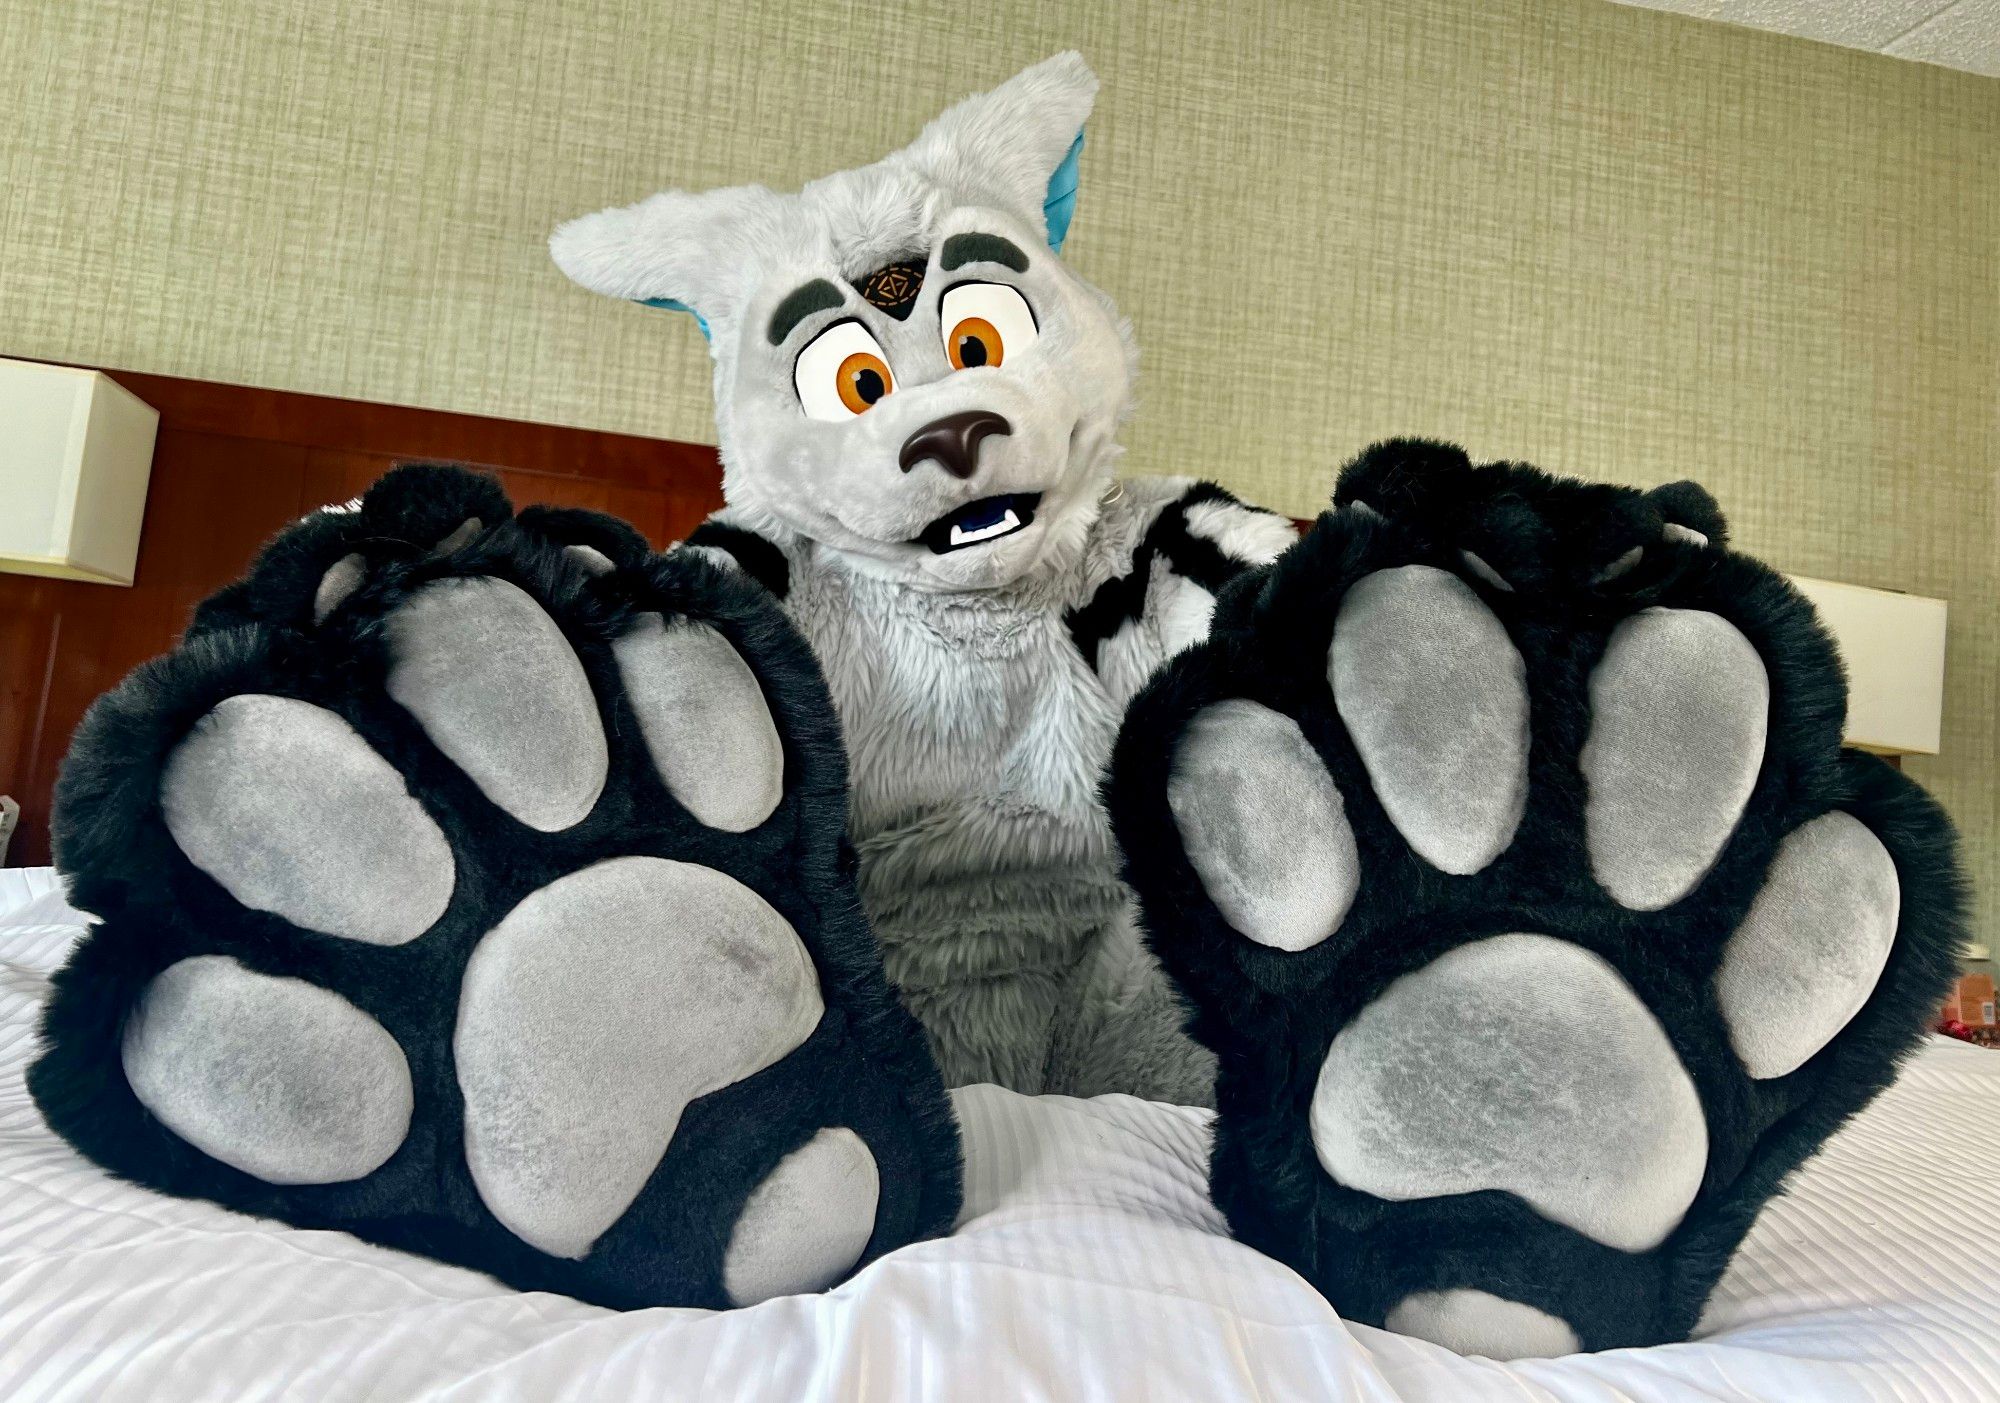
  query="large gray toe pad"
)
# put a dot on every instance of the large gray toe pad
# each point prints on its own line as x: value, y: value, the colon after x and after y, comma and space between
x: 1679, y: 708
x: 1812, y: 947
x: 1568, y: 1086
x: 807, y: 1224
x: 1480, y: 1323
x: 704, y: 720
x: 496, y: 686
x: 1434, y: 695
x: 276, y: 1077
x: 590, y: 1017
x: 293, y: 813
x: 1263, y: 825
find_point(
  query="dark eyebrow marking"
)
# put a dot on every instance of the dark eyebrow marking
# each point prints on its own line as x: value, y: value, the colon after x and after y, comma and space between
x: 816, y: 296
x: 960, y: 249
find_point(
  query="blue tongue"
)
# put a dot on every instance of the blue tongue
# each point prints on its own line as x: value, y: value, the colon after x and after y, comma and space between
x: 989, y: 514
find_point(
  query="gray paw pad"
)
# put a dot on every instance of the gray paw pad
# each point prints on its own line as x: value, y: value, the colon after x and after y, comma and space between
x: 495, y: 685
x: 1435, y: 697
x: 1476, y: 1322
x: 273, y: 1076
x: 1570, y: 1084
x: 341, y: 579
x: 704, y: 721
x: 1816, y: 939
x: 562, y: 1130
x: 1678, y: 709
x: 807, y: 1224
x: 289, y: 810
x: 460, y: 536
x: 1263, y: 825
x: 590, y: 559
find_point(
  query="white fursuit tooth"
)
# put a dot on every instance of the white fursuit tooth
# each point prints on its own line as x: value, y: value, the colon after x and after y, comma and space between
x: 962, y: 537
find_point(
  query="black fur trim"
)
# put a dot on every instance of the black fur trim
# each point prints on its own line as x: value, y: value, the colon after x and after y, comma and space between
x: 402, y: 517
x: 1270, y: 1015
x: 1689, y: 504
x: 617, y: 541
x: 761, y: 560
x: 866, y: 1066
x: 1538, y: 531
x: 423, y: 503
x: 1123, y: 599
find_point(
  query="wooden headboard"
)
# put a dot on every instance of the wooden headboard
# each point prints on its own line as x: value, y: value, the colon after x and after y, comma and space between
x: 231, y: 467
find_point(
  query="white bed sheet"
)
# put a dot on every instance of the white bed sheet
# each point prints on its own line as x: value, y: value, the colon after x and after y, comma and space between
x: 1089, y: 1266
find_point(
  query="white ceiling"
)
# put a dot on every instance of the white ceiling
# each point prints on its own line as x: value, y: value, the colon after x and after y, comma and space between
x: 1954, y: 33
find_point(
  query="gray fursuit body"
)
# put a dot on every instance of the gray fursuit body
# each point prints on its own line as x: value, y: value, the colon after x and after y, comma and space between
x: 918, y: 405
x: 978, y: 725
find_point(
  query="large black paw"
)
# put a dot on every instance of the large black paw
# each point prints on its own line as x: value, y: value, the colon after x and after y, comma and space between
x: 478, y: 885
x: 1502, y: 840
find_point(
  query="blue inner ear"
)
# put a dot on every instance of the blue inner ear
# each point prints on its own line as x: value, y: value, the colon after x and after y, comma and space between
x: 1058, y: 208
x: 673, y: 306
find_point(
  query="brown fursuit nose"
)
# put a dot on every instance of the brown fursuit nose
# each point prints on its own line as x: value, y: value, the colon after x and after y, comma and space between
x: 953, y: 441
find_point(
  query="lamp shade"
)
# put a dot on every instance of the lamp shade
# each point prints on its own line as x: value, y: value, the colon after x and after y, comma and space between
x: 1893, y: 646
x: 76, y: 450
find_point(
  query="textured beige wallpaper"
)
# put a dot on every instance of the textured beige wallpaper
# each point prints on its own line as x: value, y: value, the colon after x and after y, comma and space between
x: 1616, y: 242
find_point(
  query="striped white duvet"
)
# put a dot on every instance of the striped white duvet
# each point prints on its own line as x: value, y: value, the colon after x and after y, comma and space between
x: 1089, y: 1266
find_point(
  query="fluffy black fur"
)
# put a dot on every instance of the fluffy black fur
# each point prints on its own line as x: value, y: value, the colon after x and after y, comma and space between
x: 1270, y: 1015
x: 761, y: 560
x: 865, y: 1066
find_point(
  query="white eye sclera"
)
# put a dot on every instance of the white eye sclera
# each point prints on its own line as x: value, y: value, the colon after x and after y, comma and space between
x: 842, y: 372
x: 984, y: 324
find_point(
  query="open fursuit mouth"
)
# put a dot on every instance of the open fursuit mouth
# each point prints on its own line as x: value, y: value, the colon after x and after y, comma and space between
x: 976, y: 523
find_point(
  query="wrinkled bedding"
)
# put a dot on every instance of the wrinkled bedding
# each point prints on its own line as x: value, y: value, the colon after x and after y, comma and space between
x: 1089, y: 1265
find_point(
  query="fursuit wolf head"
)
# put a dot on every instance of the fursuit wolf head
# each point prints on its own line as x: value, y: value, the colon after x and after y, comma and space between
x: 904, y: 370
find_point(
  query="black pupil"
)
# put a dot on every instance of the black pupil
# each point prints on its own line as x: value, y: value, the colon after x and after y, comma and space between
x: 971, y: 351
x: 868, y: 384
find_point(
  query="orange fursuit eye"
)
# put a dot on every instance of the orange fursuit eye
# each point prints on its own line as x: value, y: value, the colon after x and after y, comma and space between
x: 862, y: 379
x: 974, y: 341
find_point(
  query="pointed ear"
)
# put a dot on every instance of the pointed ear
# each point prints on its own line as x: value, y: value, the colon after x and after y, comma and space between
x: 676, y: 250
x: 1015, y: 147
